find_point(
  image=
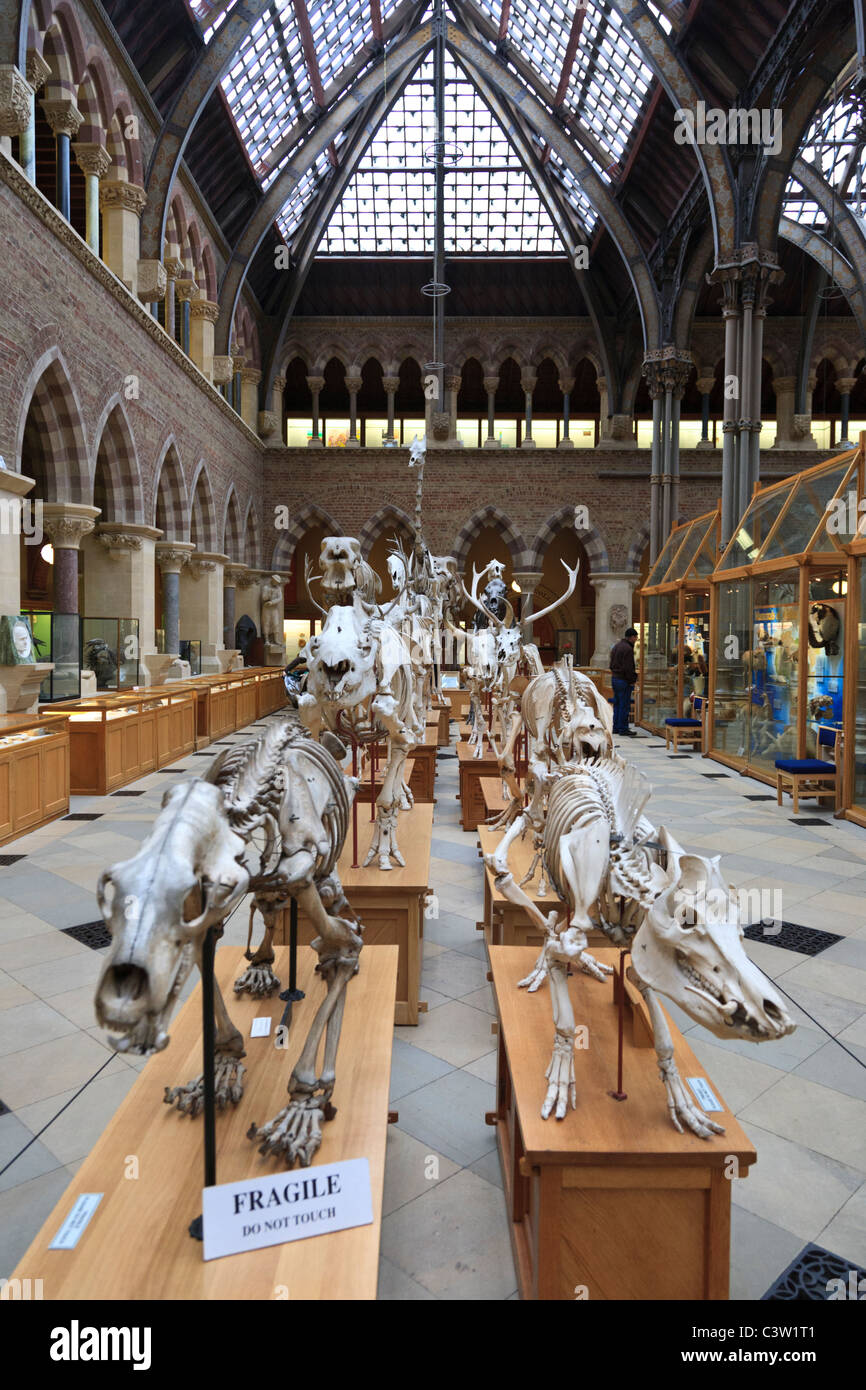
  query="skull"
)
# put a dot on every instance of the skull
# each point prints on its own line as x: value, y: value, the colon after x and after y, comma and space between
x: 342, y: 659
x: 338, y: 560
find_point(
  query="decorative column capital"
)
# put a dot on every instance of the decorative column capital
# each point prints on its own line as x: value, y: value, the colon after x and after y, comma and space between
x: 38, y: 70
x: 235, y: 575
x: 666, y: 369
x: 174, y: 266
x: 783, y: 383
x: 92, y: 158
x: 279, y: 384
x: 205, y: 562
x: 601, y: 383
x: 239, y: 361
x: 453, y: 382
x: 62, y: 115
x: 491, y: 384
x: 16, y: 94
x: 315, y: 383
x: 152, y: 281
x: 204, y: 309
x: 117, y: 536
x: 246, y: 577
x: 705, y: 384
x: 223, y: 370
x: 391, y: 384
x: 250, y: 376
x: 67, y: 523
x: 845, y: 384
x: 171, y: 556
x: 527, y: 381
x: 528, y: 580
x: 117, y: 193
x: 566, y: 385
x: 268, y: 423
x: 353, y: 383
x: 186, y: 290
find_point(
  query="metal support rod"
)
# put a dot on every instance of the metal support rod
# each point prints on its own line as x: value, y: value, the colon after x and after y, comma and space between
x: 208, y: 952
x: 439, y: 232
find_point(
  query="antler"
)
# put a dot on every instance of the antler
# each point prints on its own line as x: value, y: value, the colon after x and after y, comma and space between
x: 475, y: 600
x: 307, y: 570
x: 572, y: 580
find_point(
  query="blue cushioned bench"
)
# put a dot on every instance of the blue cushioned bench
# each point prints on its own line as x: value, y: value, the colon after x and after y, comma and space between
x: 685, y: 730
x: 811, y: 777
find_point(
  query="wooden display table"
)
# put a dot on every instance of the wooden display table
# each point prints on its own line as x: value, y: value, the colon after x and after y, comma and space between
x: 472, y: 769
x: 491, y: 794
x: 611, y: 1199
x: 34, y: 771
x: 390, y: 903
x: 363, y: 792
x: 270, y: 689
x: 419, y: 773
x: 440, y: 719
x: 137, y: 1245
x: 459, y: 702
x: 115, y: 739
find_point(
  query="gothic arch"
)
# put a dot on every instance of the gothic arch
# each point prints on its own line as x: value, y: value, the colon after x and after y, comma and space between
x: 309, y: 516
x: 590, y: 538
x: 52, y: 408
x: 492, y: 516
x: 386, y: 516
x: 251, y: 538
x: 170, y: 501
x: 232, y: 536
x: 116, y: 472
x: 639, y: 543
x: 202, y: 513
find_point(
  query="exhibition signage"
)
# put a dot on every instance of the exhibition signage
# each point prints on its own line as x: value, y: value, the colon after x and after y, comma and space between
x: 291, y: 1205
x: 70, y: 1232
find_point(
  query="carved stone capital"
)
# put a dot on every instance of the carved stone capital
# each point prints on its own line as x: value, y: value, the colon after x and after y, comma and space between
x: 67, y: 523
x: 527, y: 381
x: 38, y: 70
x: 705, y: 384
x: 528, y: 580
x: 845, y: 384
x: 315, y: 383
x: 204, y: 309
x: 390, y: 384
x: 62, y: 115
x: 16, y: 95
x: 186, y: 289
x: 566, y: 385
x: 279, y: 384
x: 491, y: 384
x: 117, y: 193
x: 117, y: 537
x: 453, y: 382
x: 235, y: 576
x: 246, y: 577
x: 205, y: 562
x: 621, y: 428
x: 223, y: 370
x: 92, y: 158
x: 171, y: 556
x: 784, y: 384
x: 666, y: 369
x: 152, y: 281
x: 353, y: 383
x: 269, y: 424
x: 251, y: 376
x: 239, y: 361
x: 440, y: 421
x: 175, y: 267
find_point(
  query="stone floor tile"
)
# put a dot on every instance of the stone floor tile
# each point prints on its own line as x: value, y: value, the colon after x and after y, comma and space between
x: 816, y: 1116
x: 760, y: 1250
x: 31, y: 1024
x: 46, y: 946
x: 448, y: 1115
x: 35, y: 1160
x: 845, y: 1235
x: 455, y: 1032
x: 484, y: 1067
x: 59, y: 976
x: 738, y: 1079
x: 23, y: 1209
x: 12, y: 994
x: 50, y: 1068
x: 73, y: 1134
x: 832, y: 1066
x: 793, y: 1186
x: 411, y: 1168
x: 395, y: 1286
x: 454, y: 974
x: 412, y: 1068
x: 829, y: 976
x: 454, y: 1241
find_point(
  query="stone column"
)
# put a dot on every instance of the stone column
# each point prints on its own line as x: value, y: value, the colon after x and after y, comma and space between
x: 527, y: 381
x: 705, y: 386
x: 353, y: 386
x: 315, y: 384
x: 16, y: 107
x: 19, y: 685
x: 491, y: 385
x: 529, y: 581
x: 201, y: 592
x: 276, y: 425
x: 95, y: 161
x: 122, y: 204
x: 250, y: 378
x: 620, y: 433
x: 603, y: 411
x: 185, y: 292
x: 845, y: 385
x: 268, y: 427
x: 453, y: 383
x: 566, y: 386
x: 119, y: 583
x: 38, y: 73
x: 232, y: 574
x: 64, y: 118
x: 240, y: 363
x: 392, y: 386
x: 223, y: 371
x: 785, y: 390
x: 203, y: 315
x: 613, y: 594
x: 171, y: 556
x: 174, y: 271
x: 656, y: 392
x: 66, y: 524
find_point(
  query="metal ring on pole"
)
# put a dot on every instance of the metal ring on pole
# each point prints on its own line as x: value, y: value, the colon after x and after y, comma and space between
x: 446, y: 150
x: 434, y: 289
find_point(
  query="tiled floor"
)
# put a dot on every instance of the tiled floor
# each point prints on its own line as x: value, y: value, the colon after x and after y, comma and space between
x: 444, y: 1234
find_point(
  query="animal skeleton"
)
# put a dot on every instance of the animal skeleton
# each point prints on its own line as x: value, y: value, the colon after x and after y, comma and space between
x: 597, y: 850
x: 194, y: 867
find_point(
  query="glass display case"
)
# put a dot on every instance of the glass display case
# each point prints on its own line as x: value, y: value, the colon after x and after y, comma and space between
x: 674, y: 637
x: 786, y: 604
x: 190, y: 650
x: 115, y: 739
x: 110, y: 649
x: 34, y: 771
x: 57, y: 638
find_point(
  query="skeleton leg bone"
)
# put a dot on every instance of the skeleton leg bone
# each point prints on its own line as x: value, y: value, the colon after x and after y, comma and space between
x: 228, y: 1068
x: 259, y: 979
x: 682, y: 1110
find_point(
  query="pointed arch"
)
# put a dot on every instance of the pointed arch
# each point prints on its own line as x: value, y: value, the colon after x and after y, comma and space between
x: 117, y: 487
x: 309, y: 516
x: 386, y: 516
x: 170, y: 501
x: 590, y: 537
x: 639, y: 543
x: 51, y: 433
x: 251, y: 548
x: 202, y: 513
x: 232, y: 535
x: 521, y: 557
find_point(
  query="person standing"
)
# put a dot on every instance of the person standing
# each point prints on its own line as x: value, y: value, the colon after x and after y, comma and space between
x: 624, y: 676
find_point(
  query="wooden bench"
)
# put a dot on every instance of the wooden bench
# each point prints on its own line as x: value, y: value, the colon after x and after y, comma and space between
x: 817, y: 777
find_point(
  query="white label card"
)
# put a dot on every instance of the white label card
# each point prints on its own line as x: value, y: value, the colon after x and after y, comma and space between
x: 76, y: 1222
x: 703, y: 1093
x: 260, y: 1028
x: 291, y: 1205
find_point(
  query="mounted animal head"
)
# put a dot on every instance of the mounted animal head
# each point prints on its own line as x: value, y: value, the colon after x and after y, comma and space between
x: 344, y: 572
x: 342, y: 657
x: 493, y: 606
x: 186, y: 877
x: 481, y: 656
x: 689, y: 949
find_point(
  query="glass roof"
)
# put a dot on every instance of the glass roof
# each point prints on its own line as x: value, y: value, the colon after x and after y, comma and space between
x: 796, y: 517
x: 835, y: 145
x: 490, y: 202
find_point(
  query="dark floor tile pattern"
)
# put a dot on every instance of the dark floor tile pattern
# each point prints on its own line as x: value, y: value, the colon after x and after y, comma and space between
x: 4, y: 1108
x: 714, y: 774
x: 807, y: 1277
x: 808, y: 820
x: 127, y: 793
x: 93, y: 934
x: 753, y: 797
x: 84, y: 815
x: 7, y: 859
x: 809, y: 941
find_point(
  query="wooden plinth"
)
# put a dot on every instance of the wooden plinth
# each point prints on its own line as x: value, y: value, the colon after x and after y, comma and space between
x: 440, y: 719
x: 610, y: 1199
x: 471, y: 770
x: 491, y: 794
x: 364, y: 792
x: 459, y: 702
x: 137, y: 1245
x: 423, y: 756
x: 390, y: 903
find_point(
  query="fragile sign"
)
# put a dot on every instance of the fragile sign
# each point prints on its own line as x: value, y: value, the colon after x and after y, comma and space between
x: 260, y: 1211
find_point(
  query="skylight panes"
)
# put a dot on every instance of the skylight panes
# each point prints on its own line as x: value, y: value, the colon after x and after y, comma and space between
x: 491, y: 205
x: 834, y: 146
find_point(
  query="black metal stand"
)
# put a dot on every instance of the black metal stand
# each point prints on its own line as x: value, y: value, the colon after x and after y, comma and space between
x: 208, y: 950
x: 291, y: 995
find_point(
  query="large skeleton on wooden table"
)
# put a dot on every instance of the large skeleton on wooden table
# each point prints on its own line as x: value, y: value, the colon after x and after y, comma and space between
x: 670, y: 908
x: 192, y: 870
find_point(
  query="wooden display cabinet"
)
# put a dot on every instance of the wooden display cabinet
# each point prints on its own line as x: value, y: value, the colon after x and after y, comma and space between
x: 472, y: 769
x: 34, y: 771
x: 115, y: 739
x: 235, y: 699
x: 610, y: 1202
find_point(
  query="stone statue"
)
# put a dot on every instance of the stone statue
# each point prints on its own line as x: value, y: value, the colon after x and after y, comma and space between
x: 618, y: 619
x: 272, y: 597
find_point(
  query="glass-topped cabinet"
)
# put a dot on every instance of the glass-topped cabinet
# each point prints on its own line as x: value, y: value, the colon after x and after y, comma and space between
x: 109, y: 648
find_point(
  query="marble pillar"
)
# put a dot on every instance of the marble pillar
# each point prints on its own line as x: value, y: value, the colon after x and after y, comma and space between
x: 66, y: 524
x: 613, y: 608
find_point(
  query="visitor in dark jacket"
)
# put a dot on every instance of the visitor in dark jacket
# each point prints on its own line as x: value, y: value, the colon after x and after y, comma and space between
x: 624, y: 676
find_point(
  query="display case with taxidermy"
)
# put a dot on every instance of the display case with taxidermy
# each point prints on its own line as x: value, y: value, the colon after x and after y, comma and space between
x: 16, y: 641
